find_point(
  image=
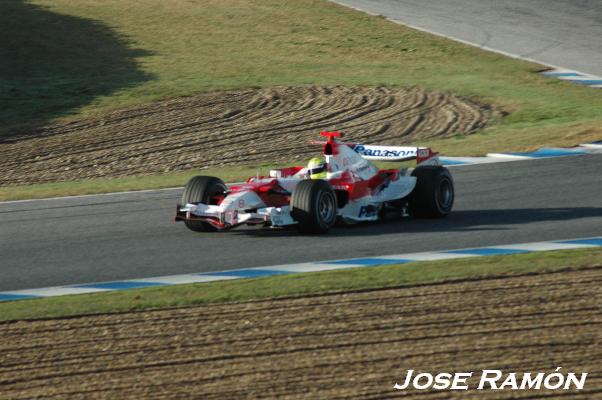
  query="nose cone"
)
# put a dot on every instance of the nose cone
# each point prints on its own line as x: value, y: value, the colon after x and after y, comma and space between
x: 242, y: 201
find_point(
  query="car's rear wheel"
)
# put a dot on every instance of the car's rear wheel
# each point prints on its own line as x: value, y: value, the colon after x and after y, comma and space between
x: 433, y: 196
x: 206, y: 190
x: 314, y: 206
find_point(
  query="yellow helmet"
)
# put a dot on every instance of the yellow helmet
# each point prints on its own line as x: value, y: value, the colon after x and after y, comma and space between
x: 316, y: 167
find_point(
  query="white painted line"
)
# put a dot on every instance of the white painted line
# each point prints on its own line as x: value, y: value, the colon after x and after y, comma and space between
x: 91, y: 195
x: 309, y: 267
x: 474, y: 160
x: 535, y: 155
x: 104, y: 194
x: 570, y: 76
x: 578, y: 78
x: 558, y: 70
x: 582, y: 78
x: 56, y: 291
x: 543, y: 246
x: 508, y: 156
x: 185, y: 278
x: 594, y: 146
x: 432, y: 256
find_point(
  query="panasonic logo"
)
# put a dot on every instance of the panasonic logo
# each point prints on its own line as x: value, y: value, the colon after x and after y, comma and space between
x: 363, y: 150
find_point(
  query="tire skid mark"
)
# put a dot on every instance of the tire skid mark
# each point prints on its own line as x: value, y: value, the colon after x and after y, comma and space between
x: 233, y: 128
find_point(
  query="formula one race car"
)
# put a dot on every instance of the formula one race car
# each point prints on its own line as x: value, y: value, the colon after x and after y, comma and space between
x: 353, y: 190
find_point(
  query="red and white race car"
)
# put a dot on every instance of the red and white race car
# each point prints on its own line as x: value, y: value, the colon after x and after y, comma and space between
x: 354, y: 190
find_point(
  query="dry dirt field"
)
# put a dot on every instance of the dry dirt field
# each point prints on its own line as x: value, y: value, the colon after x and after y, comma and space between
x: 233, y: 128
x: 353, y: 345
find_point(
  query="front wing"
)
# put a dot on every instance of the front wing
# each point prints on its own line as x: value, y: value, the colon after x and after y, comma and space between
x: 221, y: 219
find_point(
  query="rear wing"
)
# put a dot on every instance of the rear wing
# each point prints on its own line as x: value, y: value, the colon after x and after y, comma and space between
x: 422, y: 155
x: 396, y: 153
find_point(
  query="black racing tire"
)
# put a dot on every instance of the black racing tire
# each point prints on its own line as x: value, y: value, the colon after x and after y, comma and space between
x: 202, y: 189
x: 433, y: 196
x: 314, y: 206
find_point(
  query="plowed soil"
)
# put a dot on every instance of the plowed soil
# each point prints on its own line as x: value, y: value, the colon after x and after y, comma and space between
x: 353, y: 345
x: 232, y: 128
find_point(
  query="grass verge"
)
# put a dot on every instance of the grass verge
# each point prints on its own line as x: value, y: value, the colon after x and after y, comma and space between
x: 301, y: 284
x: 96, y: 186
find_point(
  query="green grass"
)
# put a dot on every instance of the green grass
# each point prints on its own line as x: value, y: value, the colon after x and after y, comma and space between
x: 96, y: 186
x: 146, y: 50
x: 66, y: 59
x: 300, y: 284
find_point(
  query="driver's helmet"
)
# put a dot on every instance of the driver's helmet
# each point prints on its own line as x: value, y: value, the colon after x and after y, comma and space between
x: 316, y: 168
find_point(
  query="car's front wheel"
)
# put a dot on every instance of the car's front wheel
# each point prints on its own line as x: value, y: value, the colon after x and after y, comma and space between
x: 206, y: 190
x: 314, y: 206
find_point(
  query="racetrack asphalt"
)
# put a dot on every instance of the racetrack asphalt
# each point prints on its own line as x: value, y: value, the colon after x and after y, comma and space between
x: 131, y: 235
x: 555, y: 32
